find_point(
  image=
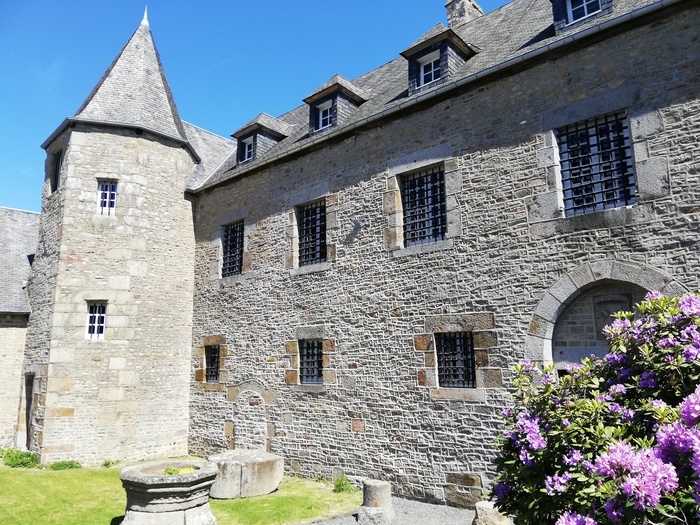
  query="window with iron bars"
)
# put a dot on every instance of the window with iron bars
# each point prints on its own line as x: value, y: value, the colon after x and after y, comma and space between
x: 597, y: 172
x: 97, y: 313
x: 311, y: 221
x: 311, y: 361
x: 232, y: 244
x: 424, y: 207
x: 455, y: 360
x: 211, y: 358
x: 108, y: 197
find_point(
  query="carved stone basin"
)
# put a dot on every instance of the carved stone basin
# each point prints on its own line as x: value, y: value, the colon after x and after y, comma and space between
x: 156, y: 498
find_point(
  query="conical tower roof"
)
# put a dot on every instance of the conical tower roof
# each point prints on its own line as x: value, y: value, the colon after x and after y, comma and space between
x: 134, y: 91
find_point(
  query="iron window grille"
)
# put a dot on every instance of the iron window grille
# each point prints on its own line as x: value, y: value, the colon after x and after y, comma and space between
x: 578, y: 9
x: 456, y: 363
x: 232, y: 249
x: 96, y: 316
x: 597, y: 172
x: 311, y: 221
x: 311, y: 361
x: 212, y: 357
x: 424, y: 208
x: 108, y: 197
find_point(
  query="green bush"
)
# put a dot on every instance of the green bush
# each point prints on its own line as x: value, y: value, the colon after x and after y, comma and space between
x: 617, y: 440
x: 108, y: 463
x: 64, y: 465
x: 15, y: 458
x: 342, y: 484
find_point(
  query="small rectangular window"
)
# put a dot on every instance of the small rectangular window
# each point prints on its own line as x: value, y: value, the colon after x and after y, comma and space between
x: 325, y: 115
x: 56, y: 163
x: 211, y: 357
x: 247, y: 149
x: 107, y: 191
x: 597, y: 172
x: 455, y: 360
x: 232, y: 245
x: 311, y: 222
x: 311, y: 361
x: 578, y: 9
x: 96, y: 317
x: 424, y: 206
x: 429, y: 68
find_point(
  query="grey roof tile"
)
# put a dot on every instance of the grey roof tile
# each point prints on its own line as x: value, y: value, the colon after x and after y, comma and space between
x: 134, y: 91
x: 19, y: 235
x: 265, y: 121
x: 212, y: 150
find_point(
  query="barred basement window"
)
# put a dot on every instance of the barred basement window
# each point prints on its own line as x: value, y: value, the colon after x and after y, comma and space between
x: 97, y: 312
x: 232, y: 249
x: 107, y: 191
x: 596, y: 164
x: 211, y: 358
x: 424, y: 207
x: 455, y: 360
x: 311, y: 221
x: 311, y: 361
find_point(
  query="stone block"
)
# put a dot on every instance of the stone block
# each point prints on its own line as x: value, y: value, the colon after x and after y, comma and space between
x: 199, y: 375
x: 214, y: 340
x: 486, y: 514
x: 291, y: 377
x: 463, y: 479
x: 246, y: 473
x: 357, y: 425
x: 328, y: 345
x: 423, y: 342
x: 110, y: 394
x: 489, y: 378
x: 329, y: 377
x: 485, y: 340
x: 117, y: 363
x: 59, y: 384
x: 466, y: 497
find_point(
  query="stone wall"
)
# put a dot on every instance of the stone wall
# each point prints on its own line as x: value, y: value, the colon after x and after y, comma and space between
x: 120, y: 397
x: 13, y: 329
x: 379, y: 416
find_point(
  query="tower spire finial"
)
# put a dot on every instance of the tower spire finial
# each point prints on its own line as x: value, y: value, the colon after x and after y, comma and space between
x: 144, y: 22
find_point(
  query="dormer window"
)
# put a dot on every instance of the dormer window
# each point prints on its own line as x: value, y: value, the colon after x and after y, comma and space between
x: 247, y: 149
x: 333, y: 102
x: 429, y: 68
x: 259, y: 136
x: 435, y: 57
x: 579, y: 9
x: 324, y: 114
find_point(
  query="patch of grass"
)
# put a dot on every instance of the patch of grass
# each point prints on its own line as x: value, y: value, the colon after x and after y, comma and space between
x: 95, y: 496
x: 108, y: 463
x: 297, y: 500
x: 15, y: 458
x: 64, y: 465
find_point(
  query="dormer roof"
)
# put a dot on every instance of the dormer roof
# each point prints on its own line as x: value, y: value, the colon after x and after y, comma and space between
x: 438, y: 33
x: 272, y: 125
x: 339, y: 84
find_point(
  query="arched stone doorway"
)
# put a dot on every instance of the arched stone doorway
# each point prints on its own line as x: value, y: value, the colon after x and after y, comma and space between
x: 588, y: 277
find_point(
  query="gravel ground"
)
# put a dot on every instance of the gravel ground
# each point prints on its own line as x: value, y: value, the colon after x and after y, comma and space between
x: 409, y: 512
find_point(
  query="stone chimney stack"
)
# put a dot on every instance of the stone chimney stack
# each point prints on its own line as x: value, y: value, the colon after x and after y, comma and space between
x: 459, y: 12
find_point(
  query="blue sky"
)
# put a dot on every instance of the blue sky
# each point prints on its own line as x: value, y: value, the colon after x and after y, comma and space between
x: 226, y: 61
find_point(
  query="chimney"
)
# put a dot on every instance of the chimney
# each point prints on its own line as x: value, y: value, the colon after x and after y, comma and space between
x: 459, y: 12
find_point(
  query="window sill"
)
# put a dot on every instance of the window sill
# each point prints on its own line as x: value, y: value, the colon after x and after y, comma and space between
x: 310, y: 388
x: 459, y: 394
x: 446, y: 244
x: 311, y: 268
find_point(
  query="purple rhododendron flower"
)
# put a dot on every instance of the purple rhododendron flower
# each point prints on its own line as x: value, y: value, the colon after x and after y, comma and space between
x: 618, y: 389
x: 690, y: 305
x: 690, y: 408
x: 571, y: 518
x: 556, y: 483
x: 674, y: 440
x: 648, y: 380
x: 690, y: 353
x: 653, y: 294
x: 668, y: 342
x: 502, y: 490
x: 573, y: 457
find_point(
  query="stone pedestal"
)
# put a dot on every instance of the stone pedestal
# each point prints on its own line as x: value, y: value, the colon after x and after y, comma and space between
x: 376, y: 503
x: 486, y: 514
x: 245, y: 473
x: 154, y: 498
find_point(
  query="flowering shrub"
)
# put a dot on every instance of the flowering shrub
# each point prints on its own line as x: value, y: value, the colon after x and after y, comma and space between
x: 616, y: 440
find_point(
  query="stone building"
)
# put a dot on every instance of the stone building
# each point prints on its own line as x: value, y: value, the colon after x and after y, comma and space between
x: 348, y: 284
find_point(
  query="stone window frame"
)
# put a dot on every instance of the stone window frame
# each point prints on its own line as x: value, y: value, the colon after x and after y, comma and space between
x: 217, y: 249
x: 101, y: 191
x: 482, y: 328
x: 292, y: 234
x: 236, y: 250
x: 291, y: 357
x: 200, y: 369
x: 393, y: 204
x: 96, y: 321
x: 545, y: 210
x: 212, y: 363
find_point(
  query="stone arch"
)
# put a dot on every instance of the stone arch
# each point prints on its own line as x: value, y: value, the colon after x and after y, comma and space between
x: 249, y: 425
x: 563, y: 293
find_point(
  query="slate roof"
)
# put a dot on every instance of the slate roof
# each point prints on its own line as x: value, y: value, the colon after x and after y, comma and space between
x: 211, y: 149
x: 134, y: 90
x: 19, y: 235
x: 508, y: 35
